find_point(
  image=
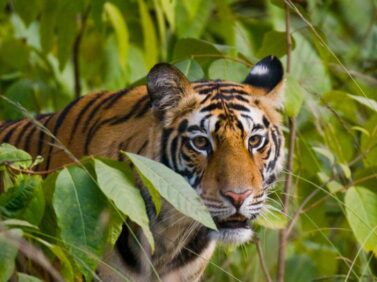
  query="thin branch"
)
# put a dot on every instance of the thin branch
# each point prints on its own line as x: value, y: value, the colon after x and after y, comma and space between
x: 76, y: 52
x: 283, y: 234
x: 262, y: 260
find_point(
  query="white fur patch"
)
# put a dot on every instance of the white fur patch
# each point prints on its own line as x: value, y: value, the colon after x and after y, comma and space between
x: 259, y: 70
x: 236, y: 236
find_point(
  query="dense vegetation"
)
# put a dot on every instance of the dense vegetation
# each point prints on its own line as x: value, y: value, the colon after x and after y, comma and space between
x: 322, y: 220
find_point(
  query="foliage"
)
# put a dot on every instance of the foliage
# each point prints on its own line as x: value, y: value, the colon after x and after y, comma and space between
x: 86, y: 207
x: 48, y: 48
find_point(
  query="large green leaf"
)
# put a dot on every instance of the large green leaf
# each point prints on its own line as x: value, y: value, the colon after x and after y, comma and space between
x: 173, y: 187
x: 81, y: 211
x: 228, y: 70
x: 191, y: 69
x: 8, y: 253
x: 193, y: 48
x: 274, y: 43
x: 116, y: 181
x: 308, y: 68
x: 361, y: 211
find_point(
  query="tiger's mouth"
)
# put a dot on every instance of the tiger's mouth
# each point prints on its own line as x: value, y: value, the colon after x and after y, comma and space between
x: 234, y: 222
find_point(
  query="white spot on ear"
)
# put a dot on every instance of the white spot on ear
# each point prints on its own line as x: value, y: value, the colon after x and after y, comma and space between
x: 259, y: 70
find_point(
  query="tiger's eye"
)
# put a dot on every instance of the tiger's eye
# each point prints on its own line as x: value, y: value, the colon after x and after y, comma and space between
x: 201, y: 142
x: 255, y: 141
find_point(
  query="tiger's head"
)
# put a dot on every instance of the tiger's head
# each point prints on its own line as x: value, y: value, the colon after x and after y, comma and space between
x: 224, y: 138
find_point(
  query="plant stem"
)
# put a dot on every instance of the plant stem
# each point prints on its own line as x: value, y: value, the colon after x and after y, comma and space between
x: 262, y: 260
x: 76, y: 53
x: 283, y: 234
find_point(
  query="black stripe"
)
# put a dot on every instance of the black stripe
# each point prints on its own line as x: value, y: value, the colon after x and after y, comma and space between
x: 21, y: 133
x: 92, y: 113
x: 79, y: 117
x: 42, y: 134
x: 277, y: 143
x: 126, y: 251
x: 212, y: 107
x: 142, y: 147
x: 173, y: 151
x: 28, y: 138
x: 191, y: 251
x: 234, y: 91
x: 108, y: 104
x: 207, y: 116
x: 164, y: 141
x: 9, y: 134
x: 238, y: 107
x: 59, y: 122
x: 134, y: 110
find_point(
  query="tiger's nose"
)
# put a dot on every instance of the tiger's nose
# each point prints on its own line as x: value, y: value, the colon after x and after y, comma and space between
x: 236, y: 199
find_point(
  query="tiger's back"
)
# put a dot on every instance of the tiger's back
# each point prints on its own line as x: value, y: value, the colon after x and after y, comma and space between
x: 99, y: 124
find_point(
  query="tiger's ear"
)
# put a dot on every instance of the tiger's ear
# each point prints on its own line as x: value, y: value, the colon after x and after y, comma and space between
x: 166, y: 86
x: 266, y: 77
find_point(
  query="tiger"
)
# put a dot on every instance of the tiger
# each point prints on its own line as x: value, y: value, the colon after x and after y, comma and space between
x: 224, y: 137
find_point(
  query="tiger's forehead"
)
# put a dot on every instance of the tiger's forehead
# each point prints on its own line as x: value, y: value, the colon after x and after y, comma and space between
x: 225, y: 104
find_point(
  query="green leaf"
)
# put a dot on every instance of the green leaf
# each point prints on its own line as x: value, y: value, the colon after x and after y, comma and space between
x: 191, y: 69
x: 25, y: 200
x: 16, y: 157
x: 27, y: 9
x: 81, y: 211
x: 121, y: 32
x: 227, y: 70
x: 295, y: 266
x: 308, y: 68
x: 361, y: 212
x: 294, y: 96
x: 22, y: 277
x: 168, y: 6
x: 22, y: 92
x: 149, y: 34
x: 274, y: 43
x: 8, y: 253
x: 326, y: 153
x: 116, y: 181
x: 193, y: 48
x: 173, y: 187
x: 272, y: 219
x: 47, y: 25
x: 188, y: 25
x: 67, y: 29
x: 370, y: 103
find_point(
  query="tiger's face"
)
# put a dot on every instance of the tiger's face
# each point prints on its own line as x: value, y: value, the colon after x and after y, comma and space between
x: 224, y: 138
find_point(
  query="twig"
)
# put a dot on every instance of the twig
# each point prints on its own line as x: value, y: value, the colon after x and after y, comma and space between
x: 76, y: 52
x: 283, y: 234
x: 31, y: 172
x: 262, y: 260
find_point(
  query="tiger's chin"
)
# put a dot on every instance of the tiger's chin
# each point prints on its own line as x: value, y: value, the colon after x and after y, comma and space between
x: 234, y: 236
x: 233, y: 232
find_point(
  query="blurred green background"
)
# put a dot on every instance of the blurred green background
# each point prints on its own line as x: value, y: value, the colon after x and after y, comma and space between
x: 54, y: 50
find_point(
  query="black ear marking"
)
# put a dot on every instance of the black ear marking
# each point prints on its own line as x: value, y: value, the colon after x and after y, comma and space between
x: 166, y: 86
x: 266, y: 74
